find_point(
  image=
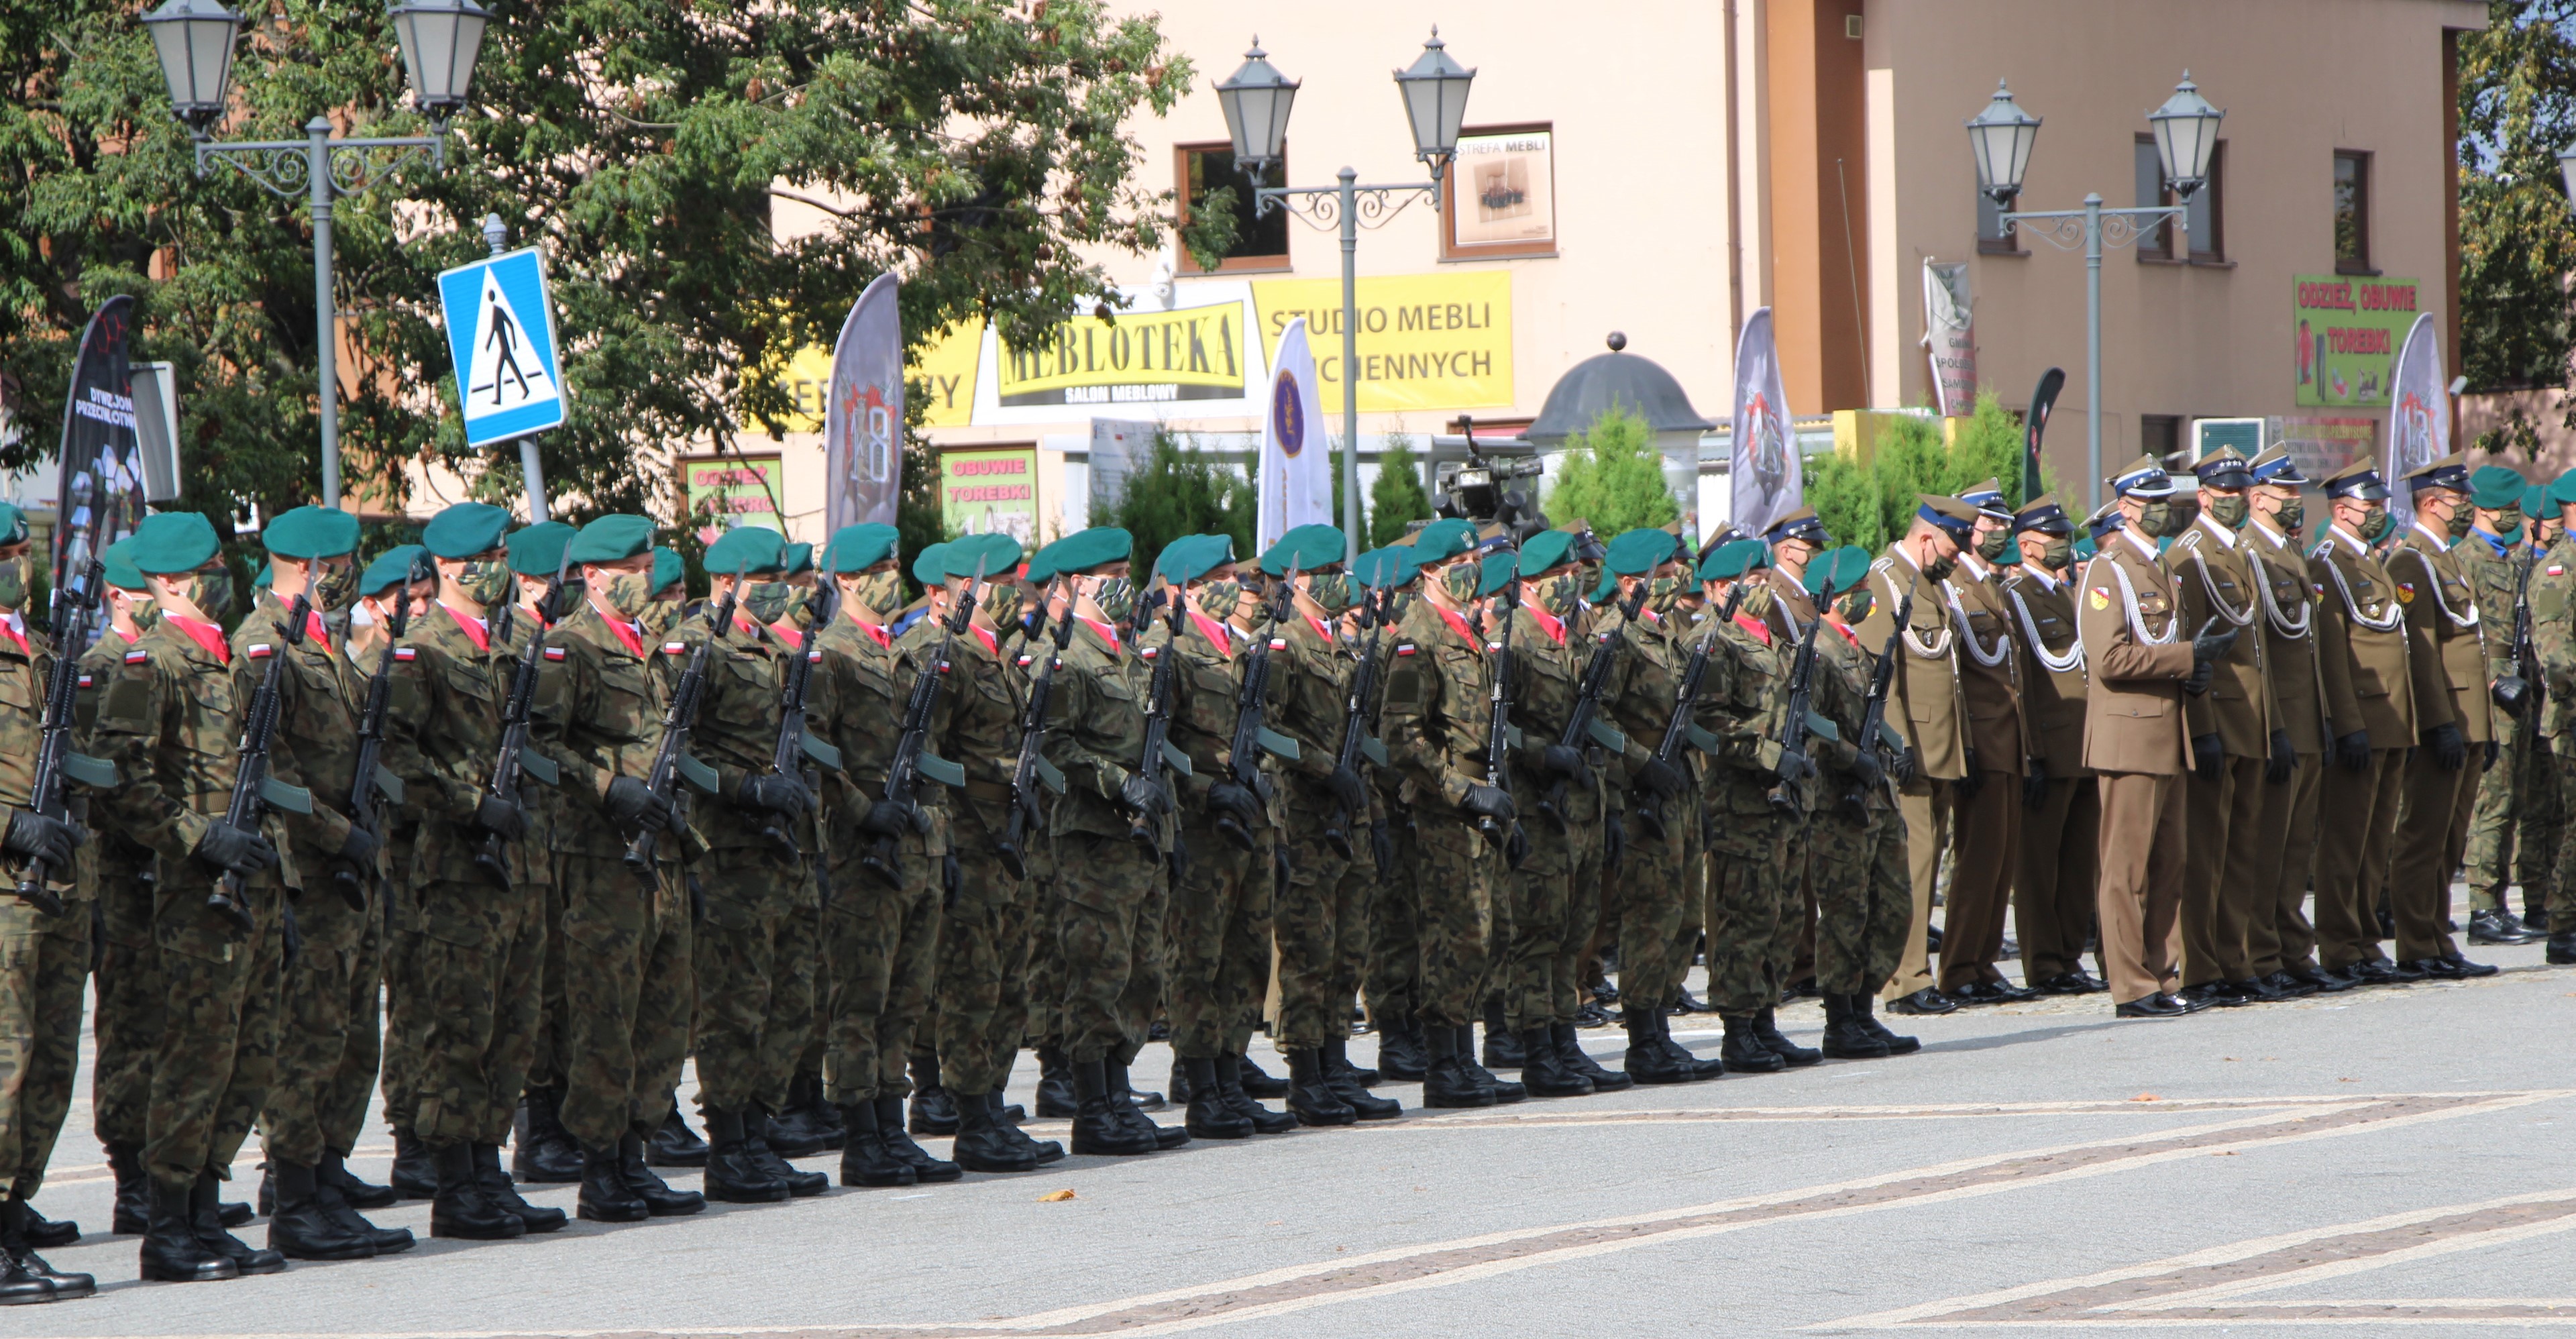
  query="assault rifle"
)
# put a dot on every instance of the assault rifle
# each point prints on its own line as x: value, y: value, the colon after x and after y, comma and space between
x: 1681, y: 729
x: 513, y: 759
x: 671, y: 757
x: 1357, y: 744
x: 55, y: 759
x: 1032, y: 770
x: 1580, y: 726
x: 1790, y: 796
x: 1498, y: 725
x: 795, y: 745
x: 1251, y: 730
x: 369, y: 778
x: 1873, y: 717
x: 253, y: 789
x: 912, y: 757
x: 1159, y: 750
x: 2523, y: 692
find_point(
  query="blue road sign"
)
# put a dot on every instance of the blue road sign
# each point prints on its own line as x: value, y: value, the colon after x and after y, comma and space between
x: 501, y: 333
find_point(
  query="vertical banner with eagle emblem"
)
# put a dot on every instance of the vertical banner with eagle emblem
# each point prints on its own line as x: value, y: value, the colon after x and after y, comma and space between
x: 1764, y: 476
x: 863, y: 418
x: 2419, y: 413
x: 1296, y: 486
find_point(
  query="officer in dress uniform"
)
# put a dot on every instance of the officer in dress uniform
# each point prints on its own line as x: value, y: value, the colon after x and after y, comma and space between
x: 1999, y: 750
x: 2280, y: 943
x: 2061, y: 807
x: 2370, y: 702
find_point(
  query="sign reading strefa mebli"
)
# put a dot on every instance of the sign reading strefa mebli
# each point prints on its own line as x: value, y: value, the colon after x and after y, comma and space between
x: 1134, y: 357
x: 2345, y: 331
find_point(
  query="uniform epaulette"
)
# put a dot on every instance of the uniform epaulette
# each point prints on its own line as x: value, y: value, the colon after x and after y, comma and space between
x: 2190, y: 538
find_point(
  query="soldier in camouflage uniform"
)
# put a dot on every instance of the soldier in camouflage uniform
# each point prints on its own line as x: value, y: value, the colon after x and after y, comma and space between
x: 406, y: 1011
x: 1046, y: 603
x: 328, y: 1043
x: 803, y: 1119
x: 2494, y: 559
x: 2553, y: 623
x: 542, y: 1152
x: 44, y: 959
x: 1855, y: 842
x: 1392, y: 976
x: 627, y: 992
x: 170, y: 721
x: 2538, y: 817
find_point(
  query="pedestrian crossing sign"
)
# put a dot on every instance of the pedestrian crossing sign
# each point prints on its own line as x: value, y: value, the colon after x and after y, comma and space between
x: 501, y: 336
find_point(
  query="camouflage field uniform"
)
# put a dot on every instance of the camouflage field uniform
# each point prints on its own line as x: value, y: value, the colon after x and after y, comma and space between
x: 2553, y: 635
x: 881, y: 943
x: 1855, y: 862
x: 1392, y: 976
x: 1043, y: 979
x: 2505, y: 790
x: 1751, y: 885
x: 44, y: 960
x: 983, y: 972
x: 116, y: 874
x: 170, y: 721
x: 1322, y: 916
x: 1660, y: 874
x: 2540, y: 813
x: 1219, y: 922
x: 475, y: 978
x: 628, y: 990
x: 1555, y: 893
x: 1110, y: 887
x: 1435, y: 728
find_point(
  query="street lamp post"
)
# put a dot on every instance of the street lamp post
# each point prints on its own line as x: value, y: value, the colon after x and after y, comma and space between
x: 194, y: 41
x: 2186, y: 132
x: 1256, y: 99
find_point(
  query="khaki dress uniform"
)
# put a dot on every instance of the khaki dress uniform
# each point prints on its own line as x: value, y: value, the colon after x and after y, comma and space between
x: 1933, y: 720
x: 2053, y: 884
x: 2134, y: 741
x: 2448, y: 663
x: 1988, y: 817
x: 2363, y: 655
x: 2213, y: 570
x: 2278, y: 935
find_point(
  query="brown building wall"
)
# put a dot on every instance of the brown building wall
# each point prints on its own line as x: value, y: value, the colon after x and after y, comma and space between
x: 1820, y: 202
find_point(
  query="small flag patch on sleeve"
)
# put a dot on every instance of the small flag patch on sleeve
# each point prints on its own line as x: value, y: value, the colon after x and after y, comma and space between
x: 1148, y: 653
x: 1278, y: 643
x: 405, y: 653
x: 84, y: 681
x: 814, y: 657
x: 1404, y: 648
x: 137, y: 657
x: 554, y: 653
x: 2557, y: 571
x: 257, y: 650
x: 674, y: 648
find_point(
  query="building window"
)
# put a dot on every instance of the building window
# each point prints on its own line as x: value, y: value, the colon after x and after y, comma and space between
x: 2208, y: 212
x: 2157, y: 242
x: 1259, y: 243
x: 2352, y: 212
x: 2160, y: 436
x: 1992, y: 240
x: 1500, y: 195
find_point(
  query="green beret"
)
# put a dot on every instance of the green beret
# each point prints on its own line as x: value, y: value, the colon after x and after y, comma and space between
x: 1308, y: 548
x: 13, y: 524
x: 856, y: 548
x: 310, y: 532
x: 1546, y: 549
x: 2496, y: 488
x: 1193, y: 556
x: 267, y: 577
x: 800, y: 558
x: 121, y: 571
x: 1728, y: 561
x: 610, y: 539
x: 2085, y: 548
x: 466, y: 529
x: 746, y: 548
x: 1843, y: 568
x: 173, y: 541
x: 1607, y: 591
x: 2562, y: 490
x: 2534, y: 498
x: 1083, y: 550
x: 535, y: 550
x: 1390, y: 566
x: 930, y: 565
x: 1638, y: 552
x: 1498, y: 567
x: 668, y: 567
x: 1444, y: 538
x: 997, y: 554
x: 394, y: 565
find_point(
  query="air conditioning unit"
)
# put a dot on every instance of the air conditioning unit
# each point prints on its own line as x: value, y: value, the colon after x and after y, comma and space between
x: 2209, y: 434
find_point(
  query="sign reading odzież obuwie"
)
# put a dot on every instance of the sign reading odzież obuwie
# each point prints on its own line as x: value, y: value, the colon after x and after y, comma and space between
x: 2346, y: 330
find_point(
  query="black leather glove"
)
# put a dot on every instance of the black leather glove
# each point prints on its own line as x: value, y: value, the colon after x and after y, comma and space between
x: 1348, y: 791
x: 2209, y: 646
x: 1382, y: 847
x: 778, y: 794
x: 887, y: 819
x: 1559, y: 760
x: 1793, y: 767
x: 952, y: 880
x: 360, y: 846
x: 1516, y: 848
x: 2208, y: 757
x: 2284, y: 761
x: 635, y: 807
x: 1866, y: 769
x: 1144, y: 795
x: 1229, y: 799
x: 1614, y: 841
x: 2034, y: 786
x: 35, y: 836
x: 1966, y: 787
x: 225, y: 847
x: 1489, y: 802
x: 2352, y: 752
x: 497, y: 816
x: 1908, y: 766
x: 2449, y: 749
x: 2201, y: 673
x: 2491, y: 751
x: 1660, y: 779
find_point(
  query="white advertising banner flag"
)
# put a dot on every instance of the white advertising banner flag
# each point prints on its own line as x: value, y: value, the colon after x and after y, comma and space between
x: 863, y: 418
x: 1296, y: 484
x: 1949, y: 334
x: 1764, y: 474
x: 2419, y: 414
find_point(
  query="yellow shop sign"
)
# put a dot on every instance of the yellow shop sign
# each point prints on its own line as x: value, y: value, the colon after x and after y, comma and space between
x: 1136, y: 357
x: 1426, y: 341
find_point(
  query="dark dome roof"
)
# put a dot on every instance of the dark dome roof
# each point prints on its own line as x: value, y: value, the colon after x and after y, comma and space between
x: 1590, y: 387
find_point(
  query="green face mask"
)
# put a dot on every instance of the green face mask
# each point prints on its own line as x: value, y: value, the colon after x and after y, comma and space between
x: 1116, y: 597
x: 2461, y: 519
x: 1856, y: 607
x: 1757, y: 597
x: 1218, y: 598
x: 336, y: 588
x: 1940, y: 567
x: 2228, y: 509
x: 2157, y: 521
x: 2376, y: 523
x: 2293, y: 514
x: 144, y: 613
x: 1991, y: 547
x: 628, y: 594
x: 212, y: 592
x: 879, y: 591
x: 13, y: 582
x: 1461, y: 579
x: 766, y: 601
x: 1001, y: 602
x: 659, y: 617
x: 2058, y: 556
x: 1331, y: 590
x: 1560, y: 594
x: 1663, y: 593
x: 2511, y: 533
x: 486, y: 582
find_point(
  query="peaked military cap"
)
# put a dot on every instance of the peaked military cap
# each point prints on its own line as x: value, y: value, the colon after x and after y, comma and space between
x: 173, y: 541
x: 119, y: 562
x: 1641, y: 551
x: 1546, y: 549
x: 746, y: 548
x: 396, y: 566
x: 2143, y: 477
x: 2360, y: 479
x: 1800, y: 524
x: 1842, y: 569
x: 2451, y: 471
x: 2496, y: 488
x: 2275, y: 466
x: 668, y: 568
x: 1084, y: 550
x: 609, y: 539
x: 1988, y: 498
x: 2224, y: 468
x: 1193, y: 556
x: 1733, y: 559
x: 1954, y: 516
x: 466, y: 529
x: 1308, y: 548
x: 2044, y: 515
x: 856, y: 548
x: 536, y: 549
x: 309, y: 532
x: 2103, y: 521
x: 996, y: 553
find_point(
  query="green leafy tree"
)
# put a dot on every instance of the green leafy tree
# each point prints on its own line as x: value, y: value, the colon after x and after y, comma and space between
x: 1611, y: 475
x: 1396, y: 497
x: 1873, y: 506
x: 974, y: 145
x: 1182, y: 491
x: 2517, y: 235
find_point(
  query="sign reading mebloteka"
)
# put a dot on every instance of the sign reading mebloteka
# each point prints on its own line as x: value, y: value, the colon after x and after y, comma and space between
x: 2348, y: 329
x: 1139, y: 356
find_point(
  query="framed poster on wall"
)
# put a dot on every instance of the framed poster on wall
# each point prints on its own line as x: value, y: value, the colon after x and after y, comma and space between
x: 1501, y: 194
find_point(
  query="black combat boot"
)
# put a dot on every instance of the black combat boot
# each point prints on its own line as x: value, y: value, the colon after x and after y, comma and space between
x: 1350, y: 1083
x: 415, y: 1176
x: 1124, y: 1097
x: 1310, y: 1099
x: 1543, y: 1072
x: 2562, y: 943
x: 733, y: 1175
x: 1009, y: 1113
x: 206, y: 1216
x: 1862, y: 1007
x: 1502, y: 1049
x: 605, y: 1197
x: 171, y: 1251
x: 1229, y: 1084
x: 774, y: 1132
x: 899, y: 1145
x: 1209, y: 1117
x: 133, y: 1213
x: 331, y: 1181
x: 1179, y: 1083
x: 1098, y: 1129
x: 45, y: 1234
x: 463, y: 1210
x: 1505, y: 1091
x: 1647, y: 1060
x: 504, y: 1196
x: 542, y: 1152
x: 1766, y: 1025
x: 1446, y: 1080
x: 1256, y: 1081
x: 984, y: 1144
x: 1399, y: 1048
x: 1846, y: 1037
x: 1057, y: 1099
x: 933, y: 1111
x: 659, y: 1198
x: 1744, y: 1051
x: 864, y: 1160
x: 336, y: 1178
x: 1006, y: 1119
x: 21, y: 1267
x: 298, y: 1229
x: 800, y: 1184
x: 1568, y: 1041
x: 1691, y: 1064
x: 674, y: 1143
x: 807, y: 1124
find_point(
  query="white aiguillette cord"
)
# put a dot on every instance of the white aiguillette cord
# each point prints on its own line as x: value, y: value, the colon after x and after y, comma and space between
x: 2054, y: 664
